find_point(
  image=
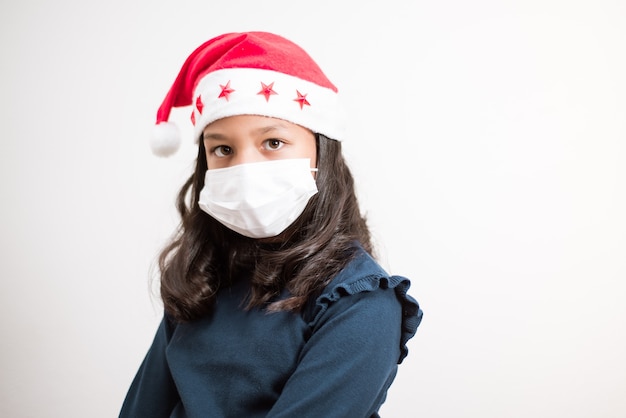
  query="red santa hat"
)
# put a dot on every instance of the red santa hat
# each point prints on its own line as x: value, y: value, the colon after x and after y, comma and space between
x: 251, y: 73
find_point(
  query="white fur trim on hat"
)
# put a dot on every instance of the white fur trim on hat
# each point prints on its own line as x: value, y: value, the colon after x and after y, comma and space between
x: 252, y: 91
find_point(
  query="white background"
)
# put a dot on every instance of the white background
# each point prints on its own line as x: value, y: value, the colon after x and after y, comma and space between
x: 489, y: 143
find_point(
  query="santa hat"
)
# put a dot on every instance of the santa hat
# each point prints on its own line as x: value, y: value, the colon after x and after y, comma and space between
x: 251, y: 73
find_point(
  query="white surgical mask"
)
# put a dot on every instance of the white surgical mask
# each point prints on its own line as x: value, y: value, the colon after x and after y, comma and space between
x: 258, y: 200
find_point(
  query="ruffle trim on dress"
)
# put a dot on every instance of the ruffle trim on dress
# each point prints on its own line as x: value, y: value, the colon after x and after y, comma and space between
x: 411, y: 312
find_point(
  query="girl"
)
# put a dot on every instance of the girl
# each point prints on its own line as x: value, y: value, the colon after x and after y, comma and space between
x: 274, y: 305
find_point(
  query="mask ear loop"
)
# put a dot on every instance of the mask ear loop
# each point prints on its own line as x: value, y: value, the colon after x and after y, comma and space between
x: 317, y: 153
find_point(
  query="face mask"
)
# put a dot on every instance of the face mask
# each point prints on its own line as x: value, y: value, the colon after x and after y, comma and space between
x: 258, y: 200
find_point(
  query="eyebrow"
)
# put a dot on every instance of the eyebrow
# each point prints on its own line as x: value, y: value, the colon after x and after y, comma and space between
x: 213, y: 136
x: 216, y: 136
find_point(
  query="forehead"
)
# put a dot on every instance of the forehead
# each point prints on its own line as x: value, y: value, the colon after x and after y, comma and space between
x: 251, y: 124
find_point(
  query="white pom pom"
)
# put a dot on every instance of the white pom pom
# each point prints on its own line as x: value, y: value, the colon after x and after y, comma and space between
x: 165, y: 139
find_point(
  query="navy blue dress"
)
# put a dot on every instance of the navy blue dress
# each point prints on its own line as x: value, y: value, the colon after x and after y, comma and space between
x: 335, y: 359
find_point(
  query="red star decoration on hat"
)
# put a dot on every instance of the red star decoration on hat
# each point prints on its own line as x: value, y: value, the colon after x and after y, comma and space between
x: 267, y: 90
x: 199, y: 104
x: 226, y: 91
x: 302, y: 100
x: 193, y: 118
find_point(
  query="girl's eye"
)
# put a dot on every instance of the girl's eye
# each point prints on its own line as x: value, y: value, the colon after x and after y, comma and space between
x: 273, y: 144
x: 222, y: 150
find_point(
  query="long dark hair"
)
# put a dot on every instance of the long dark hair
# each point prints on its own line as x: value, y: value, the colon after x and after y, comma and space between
x: 204, y: 255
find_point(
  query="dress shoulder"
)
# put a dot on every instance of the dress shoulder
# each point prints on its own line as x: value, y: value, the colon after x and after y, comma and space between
x: 364, y: 274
